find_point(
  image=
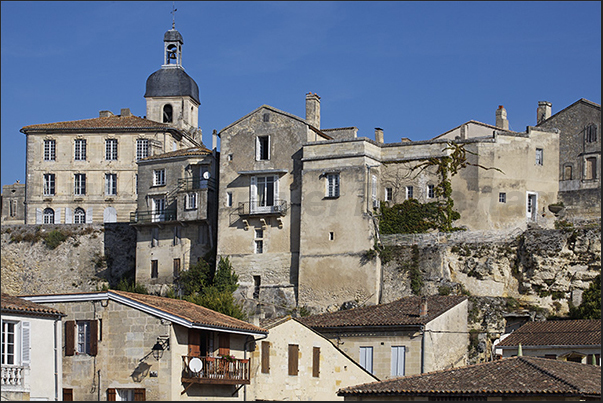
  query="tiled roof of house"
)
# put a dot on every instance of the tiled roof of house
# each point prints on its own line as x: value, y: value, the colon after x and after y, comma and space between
x: 16, y: 305
x: 180, y: 153
x: 100, y: 123
x: 583, y: 332
x: 405, y: 311
x: 518, y: 376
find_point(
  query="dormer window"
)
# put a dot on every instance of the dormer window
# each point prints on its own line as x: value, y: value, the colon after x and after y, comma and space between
x: 167, y: 113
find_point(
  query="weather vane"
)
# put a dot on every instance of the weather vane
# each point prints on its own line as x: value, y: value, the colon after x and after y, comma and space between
x: 173, y: 12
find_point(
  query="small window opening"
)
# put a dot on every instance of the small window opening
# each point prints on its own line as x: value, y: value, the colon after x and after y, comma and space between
x: 167, y: 113
x: 256, y: 287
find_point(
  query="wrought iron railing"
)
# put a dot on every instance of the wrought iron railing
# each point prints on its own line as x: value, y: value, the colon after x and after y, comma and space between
x: 279, y: 207
x: 150, y: 216
x: 12, y: 376
x: 216, y: 370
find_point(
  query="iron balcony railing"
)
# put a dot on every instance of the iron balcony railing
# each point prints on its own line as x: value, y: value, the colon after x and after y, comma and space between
x: 215, y: 370
x: 150, y: 216
x: 279, y: 207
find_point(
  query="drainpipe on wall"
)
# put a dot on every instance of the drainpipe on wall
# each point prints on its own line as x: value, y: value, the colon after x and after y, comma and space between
x: 249, y: 339
x: 422, y: 348
x: 57, y: 330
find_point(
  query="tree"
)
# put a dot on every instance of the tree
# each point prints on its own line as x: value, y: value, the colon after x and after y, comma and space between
x: 590, y: 308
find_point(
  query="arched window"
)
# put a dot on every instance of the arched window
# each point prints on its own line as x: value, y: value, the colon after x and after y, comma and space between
x: 167, y: 113
x: 79, y: 216
x: 48, y: 216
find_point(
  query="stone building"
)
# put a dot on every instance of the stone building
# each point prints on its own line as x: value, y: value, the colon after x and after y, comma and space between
x: 579, y: 127
x: 13, y: 203
x: 176, y: 215
x: 85, y: 171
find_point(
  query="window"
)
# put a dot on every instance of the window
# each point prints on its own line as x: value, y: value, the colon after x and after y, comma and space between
x: 389, y: 194
x: 136, y: 394
x: 49, y: 150
x: 67, y: 394
x: 591, y: 168
x: 567, y: 173
x: 49, y: 185
x: 83, y: 337
x: 374, y: 191
x: 333, y: 185
x: 8, y: 343
x: 266, y: 117
x: 430, y: 191
x: 15, y: 343
x: 176, y: 268
x: 316, y: 362
x: 257, y: 281
x: 142, y: 148
x: 80, y: 150
x: 158, y: 177
x: 265, y: 357
x: 331, y: 236
x: 80, y: 184
x: 154, y: 237
x: 154, y: 269
x: 502, y: 197
x: 539, y: 156
x: 264, y: 193
x: 409, y: 192
x: 79, y: 216
x: 110, y: 184
x: 48, y: 216
x: 111, y: 149
x: 12, y: 208
x: 158, y: 209
x: 591, y: 133
x: 228, y: 199
x: 397, y: 363
x: 262, y: 148
x: 167, y: 113
x: 190, y: 201
x: 259, y: 241
x: 202, y: 238
x: 293, y: 359
x: 366, y: 358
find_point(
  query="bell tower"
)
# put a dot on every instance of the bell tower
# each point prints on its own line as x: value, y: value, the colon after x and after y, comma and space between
x: 172, y: 45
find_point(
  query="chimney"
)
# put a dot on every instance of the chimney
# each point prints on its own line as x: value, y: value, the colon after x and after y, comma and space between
x: 313, y: 110
x: 126, y: 112
x: 214, y: 140
x: 379, y: 135
x: 105, y: 114
x: 405, y: 140
x: 543, y: 112
x: 423, y: 309
x: 501, y: 118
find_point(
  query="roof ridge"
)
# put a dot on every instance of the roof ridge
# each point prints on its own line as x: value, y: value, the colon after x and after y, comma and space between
x: 533, y: 364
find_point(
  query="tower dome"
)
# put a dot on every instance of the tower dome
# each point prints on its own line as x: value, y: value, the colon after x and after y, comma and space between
x: 171, y: 82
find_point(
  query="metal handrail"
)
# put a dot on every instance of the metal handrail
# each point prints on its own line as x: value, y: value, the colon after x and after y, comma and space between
x: 217, y: 370
x: 278, y: 208
x: 149, y: 216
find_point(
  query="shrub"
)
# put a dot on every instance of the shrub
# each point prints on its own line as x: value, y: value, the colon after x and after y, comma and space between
x: 54, y: 238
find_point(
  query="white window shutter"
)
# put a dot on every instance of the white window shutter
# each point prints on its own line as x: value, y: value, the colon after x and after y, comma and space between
x: 268, y: 151
x: 89, y: 216
x: 276, y: 199
x: 253, y: 191
x: 39, y: 216
x: 57, y: 215
x: 25, y: 343
x: 68, y: 216
x: 257, y: 148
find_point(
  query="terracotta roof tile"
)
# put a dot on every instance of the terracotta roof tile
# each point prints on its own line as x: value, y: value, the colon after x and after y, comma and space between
x: 583, y: 332
x: 107, y: 123
x: 509, y: 376
x: 180, y: 153
x: 10, y: 304
x: 404, y: 311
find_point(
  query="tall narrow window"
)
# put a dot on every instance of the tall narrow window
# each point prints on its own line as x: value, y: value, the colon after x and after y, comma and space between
x: 142, y: 148
x: 316, y: 362
x: 366, y: 358
x: 190, y: 201
x: 49, y: 185
x: 80, y: 184
x: 591, y: 133
x: 154, y: 269
x: 539, y: 156
x: 13, y: 208
x: 9, y: 343
x: 265, y: 357
x: 333, y: 185
x: 177, y: 235
x: 49, y: 150
x: 110, y: 184
x: 111, y: 149
x: 263, y: 193
x: 293, y: 359
x: 158, y: 209
x: 257, y: 281
x: 398, y: 358
x: 389, y: 194
x: 430, y: 191
x: 228, y: 199
x: 591, y: 168
x: 79, y: 216
x: 80, y: 150
x: 409, y: 192
x: 567, y: 172
x: 154, y: 237
x: 158, y: 177
x: 167, y: 113
x: 176, y: 268
x: 262, y: 150
x: 374, y: 191
x: 502, y: 197
x: 83, y: 337
x: 48, y: 216
x: 259, y: 241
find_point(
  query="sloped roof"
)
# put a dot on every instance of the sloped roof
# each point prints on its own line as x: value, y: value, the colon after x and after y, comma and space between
x: 16, y: 305
x: 583, y: 332
x: 519, y: 376
x: 100, y: 123
x: 176, y: 310
x: 580, y: 101
x: 185, y: 152
x: 475, y: 122
x: 404, y: 311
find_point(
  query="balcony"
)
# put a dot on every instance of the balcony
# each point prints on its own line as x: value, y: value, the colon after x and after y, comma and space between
x: 12, y: 378
x: 279, y: 208
x: 150, y: 216
x: 215, y: 371
x: 188, y: 184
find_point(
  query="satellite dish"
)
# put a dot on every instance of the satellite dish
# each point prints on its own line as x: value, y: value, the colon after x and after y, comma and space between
x: 195, y: 365
x: 206, y: 175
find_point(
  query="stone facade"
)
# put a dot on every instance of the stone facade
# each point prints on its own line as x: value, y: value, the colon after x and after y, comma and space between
x: 13, y: 203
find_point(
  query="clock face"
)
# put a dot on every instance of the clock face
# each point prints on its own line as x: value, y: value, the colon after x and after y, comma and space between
x: 206, y: 175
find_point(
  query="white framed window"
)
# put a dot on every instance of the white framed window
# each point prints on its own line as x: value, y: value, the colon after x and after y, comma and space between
x: 539, y: 156
x: 502, y: 197
x: 48, y: 216
x: 111, y: 149
x: 259, y: 241
x: 190, y: 201
x: 83, y: 337
x: 49, y: 150
x: 15, y: 343
x: 262, y: 148
x: 409, y: 192
x: 142, y: 148
x: 79, y: 216
x: 80, y: 150
x: 398, y: 360
x: 430, y: 191
x: 366, y: 358
x: 110, y: 184
x: 532, y: 206
x: 263, y: 193
x: 80, y: 184
x: 49, y: 188
x: 158, y: 209
x: 374, y: 191
x: 389, y: 194
x: 158, y: 177
x: 333, y: 185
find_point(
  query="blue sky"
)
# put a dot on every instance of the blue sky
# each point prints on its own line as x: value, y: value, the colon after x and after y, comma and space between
x: 415, y: 69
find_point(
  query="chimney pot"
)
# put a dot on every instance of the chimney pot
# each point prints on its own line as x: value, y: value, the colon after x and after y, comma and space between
x: 126, y: 112
x: 543, y: 112
x: 313, y: 109
x: 379, y: 135
x: 501, y: 118
x: 105, y: 114
x: 423, y: 309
